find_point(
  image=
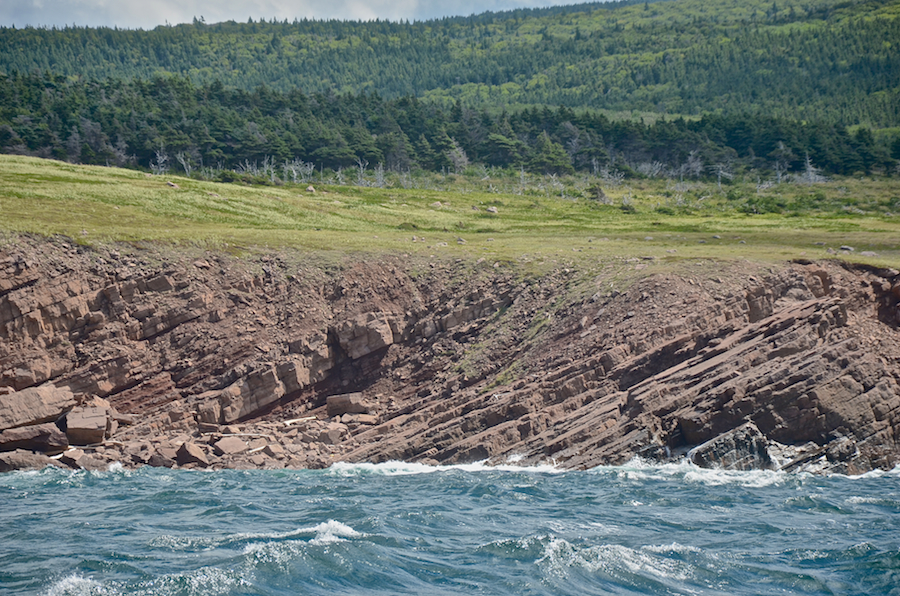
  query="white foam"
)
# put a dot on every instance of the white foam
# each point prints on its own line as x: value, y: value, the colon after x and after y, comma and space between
x: 389, y: 468
x: 639, y: 469
x: 333, y: 531
x: 398, y: 468
x: 76, y: 585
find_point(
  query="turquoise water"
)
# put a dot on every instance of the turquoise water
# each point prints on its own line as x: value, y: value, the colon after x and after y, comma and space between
x: 409, y: 529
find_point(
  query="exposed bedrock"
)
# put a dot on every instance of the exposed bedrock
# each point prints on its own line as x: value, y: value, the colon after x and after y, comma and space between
x: 148, y: 355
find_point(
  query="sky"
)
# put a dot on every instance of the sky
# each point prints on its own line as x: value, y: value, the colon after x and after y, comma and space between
x: 147, y: 14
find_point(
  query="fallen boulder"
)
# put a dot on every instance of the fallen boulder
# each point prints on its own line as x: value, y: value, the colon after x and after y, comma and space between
x: 364, y: 334
x: 34, y: 405
x: 230, y: 446
x: 40, y: 437
x: 346, y: 403
x: 78, y: 459
x: 248, y: 395
x: 87, y: 426
x: 189, y: 453
x: 25, y: 460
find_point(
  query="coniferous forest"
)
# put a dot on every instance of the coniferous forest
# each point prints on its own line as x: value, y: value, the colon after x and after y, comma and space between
x: 644, y: 87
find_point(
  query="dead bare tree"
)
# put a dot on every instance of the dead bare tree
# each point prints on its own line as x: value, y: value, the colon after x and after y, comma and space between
x: 361, y: 172
x: 783, y: 157
x: 811, y: 174
x: 721, y: 170
x: 160, y: 165
x: 457, y: 157
x: 185, y: 161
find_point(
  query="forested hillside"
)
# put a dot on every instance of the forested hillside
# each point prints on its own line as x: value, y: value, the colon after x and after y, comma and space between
x: 835, y: 61
x: 727, y: 85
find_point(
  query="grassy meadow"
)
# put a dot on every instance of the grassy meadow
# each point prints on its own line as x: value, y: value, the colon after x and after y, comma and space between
x: 539, y: 220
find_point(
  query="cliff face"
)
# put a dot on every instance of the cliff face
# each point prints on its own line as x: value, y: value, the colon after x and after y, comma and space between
x: 145, y: 355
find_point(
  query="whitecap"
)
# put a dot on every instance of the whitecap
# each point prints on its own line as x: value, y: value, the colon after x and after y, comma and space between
x: 76, y: 585
x: 325, y: 532
x: 863, y: 500
x: 283, y: 553
x: 333, y: 531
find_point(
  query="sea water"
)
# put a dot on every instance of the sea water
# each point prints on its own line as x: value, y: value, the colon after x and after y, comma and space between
x: 412, y: 529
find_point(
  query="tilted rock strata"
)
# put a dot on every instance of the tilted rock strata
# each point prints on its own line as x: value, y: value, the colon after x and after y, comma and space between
x: 204, y: 360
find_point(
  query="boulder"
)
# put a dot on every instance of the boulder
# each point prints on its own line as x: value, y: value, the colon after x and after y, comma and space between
x: 346, y: 403
x: 87, y: 426
x: 40, y: 437
x: 160, y: 283
x: 249, y: 395
x: 744, y: 448
x: 209, y: 412
x: 189, y: 453
x: 159, y: 460
x: 333, y: 434
x: 24, y: 460
x: 259, y: 460
x: 78, y: 459
x: 34, y: 405
x: 364, y: 334
x: 274, y: 450
x: 229, y: 446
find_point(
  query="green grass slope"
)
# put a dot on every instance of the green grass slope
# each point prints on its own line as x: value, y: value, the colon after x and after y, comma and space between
x: 96, y: 204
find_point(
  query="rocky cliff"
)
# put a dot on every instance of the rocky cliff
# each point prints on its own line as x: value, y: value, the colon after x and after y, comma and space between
x: 149, y: 355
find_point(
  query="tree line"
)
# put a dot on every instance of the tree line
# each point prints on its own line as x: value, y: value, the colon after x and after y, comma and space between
x: 169, y: 121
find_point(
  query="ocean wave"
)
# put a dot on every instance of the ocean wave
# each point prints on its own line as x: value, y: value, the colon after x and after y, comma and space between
x: 615, y: 561
x: 202, y: 582
x: 77, y: 585
x: 878, y: 501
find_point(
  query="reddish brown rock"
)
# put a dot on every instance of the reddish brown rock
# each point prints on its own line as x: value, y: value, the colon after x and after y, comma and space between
x: 25, y: 460
x: 34, y: 405
x: 250, y: 395
x: 40, y: 437
x: 456, y: 361
x: 189, y: 453
x: 87, y: 426
x: 364, y: 334
x: 78, y: 459
x: 229, y: 446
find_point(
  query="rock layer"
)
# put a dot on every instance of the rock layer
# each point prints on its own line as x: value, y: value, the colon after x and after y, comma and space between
x: 150, y: 357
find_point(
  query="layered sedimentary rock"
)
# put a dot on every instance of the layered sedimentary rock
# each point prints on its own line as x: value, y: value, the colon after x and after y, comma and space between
x: 152, y: 357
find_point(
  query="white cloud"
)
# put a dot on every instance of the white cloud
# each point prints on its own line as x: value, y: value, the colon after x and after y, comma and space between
x: 147, y: 14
